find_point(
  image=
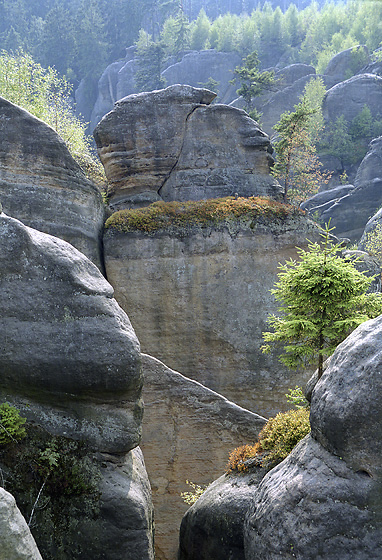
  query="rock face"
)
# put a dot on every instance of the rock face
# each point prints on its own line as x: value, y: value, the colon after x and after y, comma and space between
x: 213, y: 528
x: 199, y: 302
x: 42, y: 185
x: 188, y: 433
x: 193, y: 68
x: 326, y: 497
x: 76, y: 376
x: 169, y: 144
x: 77, y: 365
x: 349, y: 209
x: 347, y: 63
x: 349, y: 97
x: 17, y: 542
x: 197, y: 67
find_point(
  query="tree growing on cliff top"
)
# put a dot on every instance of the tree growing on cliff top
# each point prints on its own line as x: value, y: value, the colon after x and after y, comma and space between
x: 322, y: 300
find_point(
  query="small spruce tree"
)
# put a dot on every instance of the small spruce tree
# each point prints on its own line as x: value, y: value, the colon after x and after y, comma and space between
x: 322, y: 300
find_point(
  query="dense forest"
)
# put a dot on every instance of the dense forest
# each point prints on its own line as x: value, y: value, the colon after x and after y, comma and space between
x: 80, y: 37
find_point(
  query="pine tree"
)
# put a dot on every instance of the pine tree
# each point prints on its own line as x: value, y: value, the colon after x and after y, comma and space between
x: 252, y: 81
x: 323, y: 299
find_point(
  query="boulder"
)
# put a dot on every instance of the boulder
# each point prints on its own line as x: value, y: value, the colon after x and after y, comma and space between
x: 107, y: 92
x: 213, y: 528
x: 350, y: 96
x: 42, y: 185
x: 77, y: 365
x: 170, y: 144
x: 188, y: 433
x: 17, y: 542
x: 347, y: 63
x: 325, y: 199
x: 350, y: 214
x: 325, y: 498
x: 199, y: 299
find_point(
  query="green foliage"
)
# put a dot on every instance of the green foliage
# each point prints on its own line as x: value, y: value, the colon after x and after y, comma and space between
x: 191, y: 497
x: 45, y: 95
x: 297, y: 398
x: 165, y: 216
x: 150, y: 57
x: 297, y: 166
x: 252, y: 81
x: 200, y: 32
x: 281, y: 434
x: 11, y: 424
x: 373, y: 244
x: 322, y: 300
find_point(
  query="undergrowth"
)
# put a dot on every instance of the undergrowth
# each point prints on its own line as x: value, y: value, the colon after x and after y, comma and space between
x: 164, y: 216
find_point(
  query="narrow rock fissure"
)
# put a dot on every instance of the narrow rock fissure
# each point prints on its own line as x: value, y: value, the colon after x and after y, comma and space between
x: 181, y: 147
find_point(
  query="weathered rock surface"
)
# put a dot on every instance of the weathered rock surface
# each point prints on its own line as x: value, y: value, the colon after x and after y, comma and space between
x: 42, y: 185
x: 326, y: 497
x: 77, y: 364
x: 213, y: 528
x: 16, y: 540
x: 347, y: 63
x: 197, y: 67
x: 349, y: 97
x: 349, y: 211
x: 199, y: 302
x: 169, y: 144
x: 188, y: 433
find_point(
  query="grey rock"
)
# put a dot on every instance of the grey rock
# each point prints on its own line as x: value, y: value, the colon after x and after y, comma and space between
x: 330, y: 196
x: 347, y: 63
x: 349, y: 97
x: 17, y: 542
x: 171, y: 143
x: 199, y: 302
x: 213, y: 528
x: 195, y: 68
x: 290, y: 74
x: 107, y: 92
x: 42, y: 185
x: 321, y: 507
x: 350, y: 214
x: 77, y: 365
x: 366, y: 264
x: 188, y: 433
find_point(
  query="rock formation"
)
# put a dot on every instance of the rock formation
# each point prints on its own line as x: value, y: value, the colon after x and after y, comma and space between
x: 324, y: 501
x: 42, y: 185
x: 347, y: 63
x: 70, y: 363
x: 170, y: 144
x: 349, y: 209
x: 188, y: 433
x: 199, y: 301
x: 17, y: 542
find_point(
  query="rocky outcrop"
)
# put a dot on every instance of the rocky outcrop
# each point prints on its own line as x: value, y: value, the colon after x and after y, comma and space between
x: 197, y: 67
x: 199, y: 301
x: 213, y: 528
x: 17, y: 542
x: 194, y: 68
x: 349, y: 209
x: 349, y: 97
x: 70, y: 363
x: 188, y: 433
x: 347, y: 63
x: 325, y: 498
x: 171, y: 145
x: 42, y: 185
x: 77, y: 365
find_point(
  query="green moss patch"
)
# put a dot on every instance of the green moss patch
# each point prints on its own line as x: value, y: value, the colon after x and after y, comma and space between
x: 169, y: 216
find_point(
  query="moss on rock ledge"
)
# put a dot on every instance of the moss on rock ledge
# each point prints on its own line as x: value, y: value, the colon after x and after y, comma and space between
x: 179, y: 216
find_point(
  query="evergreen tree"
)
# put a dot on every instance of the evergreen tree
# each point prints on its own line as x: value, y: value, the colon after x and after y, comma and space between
x: 150, y: 57
x: 252, y: 81
x: 322, y: 300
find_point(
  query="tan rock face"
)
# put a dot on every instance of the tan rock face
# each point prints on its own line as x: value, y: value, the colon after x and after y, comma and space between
x: 188, y: 433
x: 42, y: 185
x: 199, y: 303
x: 171, y: 144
